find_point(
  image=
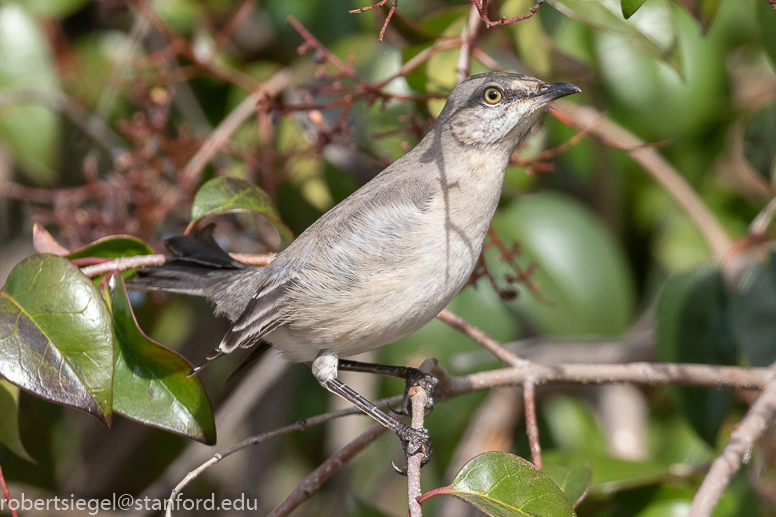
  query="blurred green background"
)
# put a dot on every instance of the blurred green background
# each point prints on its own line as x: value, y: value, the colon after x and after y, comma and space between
x: 695, y: 78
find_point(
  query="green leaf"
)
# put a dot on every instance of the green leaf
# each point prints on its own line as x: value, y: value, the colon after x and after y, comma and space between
x: 707, y: 11
x: 9, y: 420
x: 580, y: 269
x: 753, y: 313
x: 505, y: 485
x: 48, y: 9
x: 30, y: 130
x: 55, y: 335
x: 151, y: 384
x: 692, y: 327
x: 575, y: 482
x: 652, y: 32
x: 629, y: 7
x: 229, y: 195
x: 115, y: 246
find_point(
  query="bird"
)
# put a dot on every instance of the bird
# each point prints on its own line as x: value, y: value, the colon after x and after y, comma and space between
x: 384, y: 261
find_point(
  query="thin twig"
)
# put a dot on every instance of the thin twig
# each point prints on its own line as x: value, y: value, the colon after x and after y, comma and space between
x: 763, y: 220
x: 325, y: 470
x: 482, y: 9
x: 652, y: 162
x: 6, y: 493
x: 468, y: 36
x: 531, y: 425
x: 418, y: 398
x: 737, y: 451
x: 139, y: 261
x: 221, y: 134
x: 480, y: 337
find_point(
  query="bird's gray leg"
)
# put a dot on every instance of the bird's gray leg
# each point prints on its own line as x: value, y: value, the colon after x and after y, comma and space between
x: 412, y: 377
x: 325, y: 367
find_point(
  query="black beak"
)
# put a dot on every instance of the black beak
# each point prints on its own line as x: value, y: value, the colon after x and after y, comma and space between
x: 553, y: 91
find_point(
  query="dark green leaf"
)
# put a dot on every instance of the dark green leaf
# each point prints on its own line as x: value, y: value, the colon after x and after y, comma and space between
x: 9, y: 420
x: 505, y: 485
x: 629, y: 7
x: 151, y: 383
x: 692, y: 327
x: 114, y: 246
x: 416, y: 79
x: 753, y: 313
x: 229, y: 195
x: 575, y: 482
x: 55, y: 335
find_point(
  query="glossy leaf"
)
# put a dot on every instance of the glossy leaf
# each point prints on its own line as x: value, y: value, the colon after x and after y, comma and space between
x: 151, y: 384
x: 653, y: 34
x: 753, y: 313
x: 55, y: 335
x: 505, y: 485
x: 114, y: 246
x: 29, y: 130
x: 629, y: 7
x: 580, y: 270
x: 575, y: 482
x: 229, y: 195
x: 692, y: 327
x: 9, y: 420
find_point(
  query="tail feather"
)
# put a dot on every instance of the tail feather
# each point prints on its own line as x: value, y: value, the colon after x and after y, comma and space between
x: 197, y: 266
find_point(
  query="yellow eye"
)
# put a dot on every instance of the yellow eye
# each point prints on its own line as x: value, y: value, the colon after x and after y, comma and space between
x: 492, y: 95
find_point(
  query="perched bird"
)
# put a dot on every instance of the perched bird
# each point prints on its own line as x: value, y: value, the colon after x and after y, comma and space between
x: 383, y: 262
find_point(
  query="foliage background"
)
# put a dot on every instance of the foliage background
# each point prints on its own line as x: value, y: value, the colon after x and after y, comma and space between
x: 604, y: 235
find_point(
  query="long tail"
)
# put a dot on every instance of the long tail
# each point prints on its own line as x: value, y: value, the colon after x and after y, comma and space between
x: 199, y: 267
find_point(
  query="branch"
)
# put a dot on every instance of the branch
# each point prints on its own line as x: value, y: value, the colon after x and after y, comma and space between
x: 482, y: 9
x: 325, y: 470
x: 6, y: 493
x: 649, y: 374
x: 588, y: 119
x: 468, y: 36
x: 139, y: 261
x: 532, y: 426
x: 418, y: 398
x: 220, y: 136
x: 738, y: 450
x: 481, y: 337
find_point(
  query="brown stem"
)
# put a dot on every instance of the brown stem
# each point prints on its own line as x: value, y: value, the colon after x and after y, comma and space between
x: 532, y: 426
x: 480, y: 337
x: 652, y: 162
x: 418, y: 398
x: 325, y: 470
x: 737, y: 451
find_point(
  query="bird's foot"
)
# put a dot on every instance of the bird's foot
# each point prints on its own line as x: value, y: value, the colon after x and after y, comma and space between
x: 418, y: 379
x: 414, y: 441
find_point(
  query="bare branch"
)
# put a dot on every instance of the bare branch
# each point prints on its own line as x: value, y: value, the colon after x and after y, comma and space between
x: 325, y: 470
x: 737, y: 451
x: 418, y: 398
x: 482, y: 9
x: 532, y: 426
x: 468, y: 36
x: 480, y: 337
x: 652, y: 162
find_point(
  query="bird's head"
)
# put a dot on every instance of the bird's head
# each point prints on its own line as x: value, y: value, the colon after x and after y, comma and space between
x: 498, y: 108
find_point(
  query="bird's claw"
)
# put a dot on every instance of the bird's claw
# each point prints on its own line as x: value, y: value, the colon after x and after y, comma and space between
x: 423, y: 380
x: 414, y: 441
